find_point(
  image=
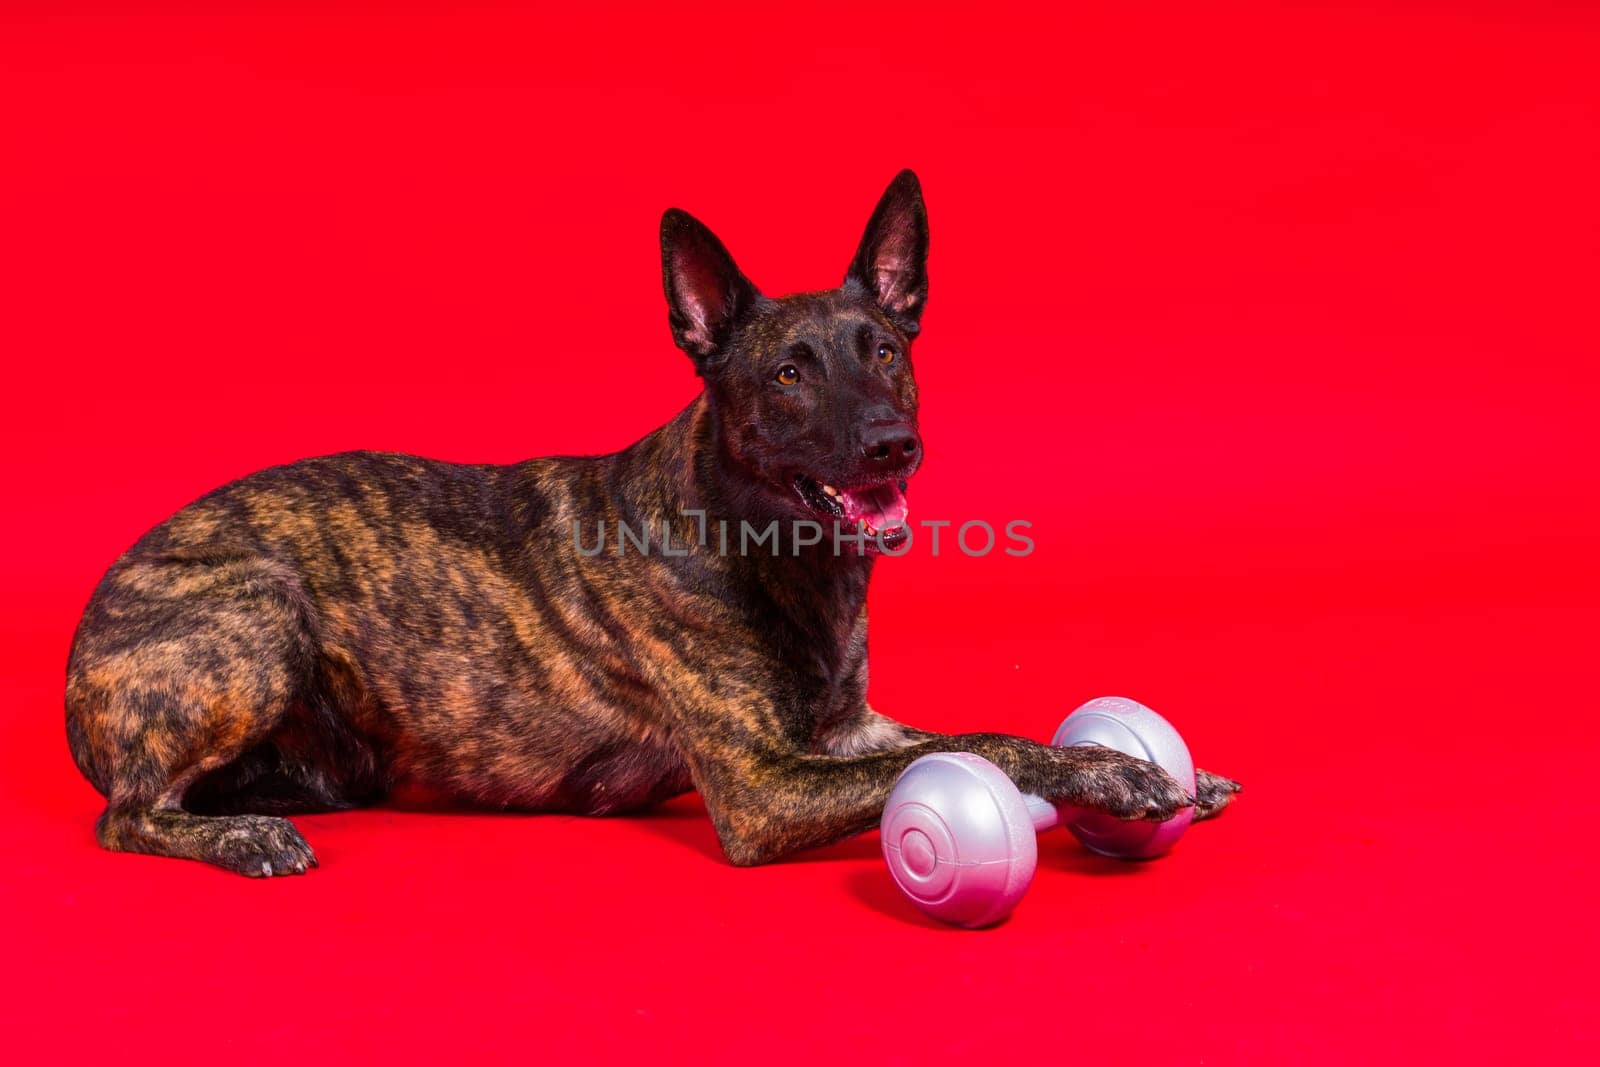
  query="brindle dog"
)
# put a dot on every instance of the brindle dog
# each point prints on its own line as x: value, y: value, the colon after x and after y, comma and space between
x: 309, y: 636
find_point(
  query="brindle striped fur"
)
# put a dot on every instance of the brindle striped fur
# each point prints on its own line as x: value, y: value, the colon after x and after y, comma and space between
x: 308, y: 637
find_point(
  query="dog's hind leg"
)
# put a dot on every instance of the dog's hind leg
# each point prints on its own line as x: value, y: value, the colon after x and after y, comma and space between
x: 181, y: 667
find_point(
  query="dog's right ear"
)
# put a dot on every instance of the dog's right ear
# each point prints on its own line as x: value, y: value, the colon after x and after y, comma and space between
x: 706, y: 294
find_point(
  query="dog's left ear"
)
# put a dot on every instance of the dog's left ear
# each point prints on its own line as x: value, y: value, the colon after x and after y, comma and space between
x: 892, y: 262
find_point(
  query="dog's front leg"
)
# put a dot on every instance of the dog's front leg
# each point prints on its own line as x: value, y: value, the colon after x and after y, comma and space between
x: 873, y: 731
x: 767, y: 798
x: 868, y: 731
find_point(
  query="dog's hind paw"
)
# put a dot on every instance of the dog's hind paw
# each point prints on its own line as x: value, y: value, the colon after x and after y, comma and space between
x: 272, y: 848
x: 260, y: 846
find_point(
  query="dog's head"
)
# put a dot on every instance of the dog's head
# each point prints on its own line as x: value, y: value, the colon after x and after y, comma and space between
x: 813, y: 393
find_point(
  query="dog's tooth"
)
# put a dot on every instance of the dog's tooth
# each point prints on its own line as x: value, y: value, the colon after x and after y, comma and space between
x: 830, y: 490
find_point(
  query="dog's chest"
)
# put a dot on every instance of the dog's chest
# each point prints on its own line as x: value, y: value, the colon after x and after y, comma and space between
x: 830, y: 689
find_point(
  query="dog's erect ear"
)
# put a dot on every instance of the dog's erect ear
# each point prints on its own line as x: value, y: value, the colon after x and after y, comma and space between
x: 706, y: 294
x: 892, y: 262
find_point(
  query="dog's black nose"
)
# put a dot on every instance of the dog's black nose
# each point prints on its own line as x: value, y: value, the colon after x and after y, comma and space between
x: 890, y: 445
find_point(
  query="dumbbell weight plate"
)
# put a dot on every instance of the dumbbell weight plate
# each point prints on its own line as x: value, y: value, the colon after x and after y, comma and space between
x: 958, y: 839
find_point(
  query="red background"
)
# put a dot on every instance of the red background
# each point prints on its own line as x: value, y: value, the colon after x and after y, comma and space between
x: 1277, y: 323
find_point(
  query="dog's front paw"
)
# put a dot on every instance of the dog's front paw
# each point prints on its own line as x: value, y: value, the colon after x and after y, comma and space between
x: 1124, y: 786
x: 1212, y: 792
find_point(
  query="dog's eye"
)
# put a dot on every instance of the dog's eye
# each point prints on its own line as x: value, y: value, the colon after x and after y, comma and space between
x: 788, y: 374
x: 885, y: 355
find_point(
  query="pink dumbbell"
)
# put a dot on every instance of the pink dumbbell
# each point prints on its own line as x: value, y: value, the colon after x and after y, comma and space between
x: 959, y: 837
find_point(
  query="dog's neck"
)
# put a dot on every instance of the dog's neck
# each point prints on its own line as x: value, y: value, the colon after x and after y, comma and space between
x: 686, y: 467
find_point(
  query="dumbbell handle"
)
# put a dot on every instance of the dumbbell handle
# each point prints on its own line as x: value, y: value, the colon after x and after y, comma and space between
x: 1047, y: 816
x: 1042, y: 812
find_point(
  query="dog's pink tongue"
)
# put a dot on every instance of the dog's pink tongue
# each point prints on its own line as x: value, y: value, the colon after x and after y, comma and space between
x: 879, y: 508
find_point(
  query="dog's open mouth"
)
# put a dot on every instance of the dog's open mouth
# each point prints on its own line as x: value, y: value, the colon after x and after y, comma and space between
x: 879, y: 511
